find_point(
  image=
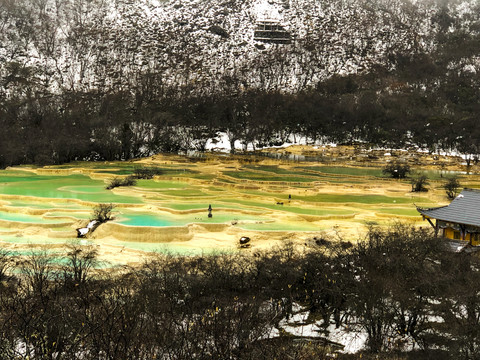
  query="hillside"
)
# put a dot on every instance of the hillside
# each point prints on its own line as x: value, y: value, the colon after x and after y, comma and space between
x: 206, y: 46
x: 116, y: 79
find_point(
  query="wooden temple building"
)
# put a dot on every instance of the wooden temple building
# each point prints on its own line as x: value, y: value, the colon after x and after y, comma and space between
x: 458, y: 221
x: 271, y: 31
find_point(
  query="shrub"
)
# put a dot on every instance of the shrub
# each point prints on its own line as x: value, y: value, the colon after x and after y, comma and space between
x: 5, y: 264
x: 419, y: 183
x: 146, y: 173
x: 451, y: 187
x: 396, y: 170
x: 116, y: 182
x: 103, y: 212
x: 79, y: 263
x: 129, y: 181
x: 400, y: 286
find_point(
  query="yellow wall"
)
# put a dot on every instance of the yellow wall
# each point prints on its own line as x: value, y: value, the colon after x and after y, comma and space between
x: 449, y: 233
x: 475, y: 239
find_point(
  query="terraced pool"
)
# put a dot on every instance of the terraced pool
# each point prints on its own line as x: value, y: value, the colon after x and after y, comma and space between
x: 246, y: 198
x: 26, y: 218
x: 163, y: 219
x: 78, y: 187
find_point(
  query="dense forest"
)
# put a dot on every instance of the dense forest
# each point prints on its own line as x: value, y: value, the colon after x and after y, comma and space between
x: 118, y: 79
x: 411, y: 297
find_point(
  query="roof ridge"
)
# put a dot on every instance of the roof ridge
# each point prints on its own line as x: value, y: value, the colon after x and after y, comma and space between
x: 471, y: 189
x: 432, y: 208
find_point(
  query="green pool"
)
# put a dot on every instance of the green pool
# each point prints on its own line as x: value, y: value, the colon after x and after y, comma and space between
x: 26, y: 218
x: 77, y: 215
x: 164, y: 219
x: 76, y: 186
x: 175, y: 249
x: 46, y: 205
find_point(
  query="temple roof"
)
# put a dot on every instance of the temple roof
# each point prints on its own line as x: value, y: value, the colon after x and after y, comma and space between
x: 464, y: 209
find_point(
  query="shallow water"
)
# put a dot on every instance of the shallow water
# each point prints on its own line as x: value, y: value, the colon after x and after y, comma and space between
x: 376, y: 172
x: 320, y: 211
x: 281, y: 226
x: 164, y: 219
x: 46, y: 205
x: 79, y: 187
x: 240, y: 199
x: 26, y: 218
x: 342, y: 170
x: 165, y: 248
x: 76, y: 215
x: 37, y: 240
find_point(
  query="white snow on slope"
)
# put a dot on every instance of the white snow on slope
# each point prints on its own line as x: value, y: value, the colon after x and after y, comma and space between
x: 264, y: 11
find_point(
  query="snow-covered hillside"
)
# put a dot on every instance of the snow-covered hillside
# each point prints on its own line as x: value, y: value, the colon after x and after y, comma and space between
x: 203, y: 46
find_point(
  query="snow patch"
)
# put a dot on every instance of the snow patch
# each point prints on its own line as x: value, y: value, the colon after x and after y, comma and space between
x: 352, y: 339
x: 91, y: 224
x: 266, y: 11
x: 83, y: 231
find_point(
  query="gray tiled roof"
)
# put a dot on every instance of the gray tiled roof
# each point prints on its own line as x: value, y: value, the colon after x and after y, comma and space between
x: 464, y: 209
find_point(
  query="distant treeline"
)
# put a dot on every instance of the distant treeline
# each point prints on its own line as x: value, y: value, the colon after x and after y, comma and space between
x: 411, y: 297
x: 416, y: 105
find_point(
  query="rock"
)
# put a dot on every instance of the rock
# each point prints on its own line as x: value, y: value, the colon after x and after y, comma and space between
x: 217, y: 30
x: 244, y: 242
